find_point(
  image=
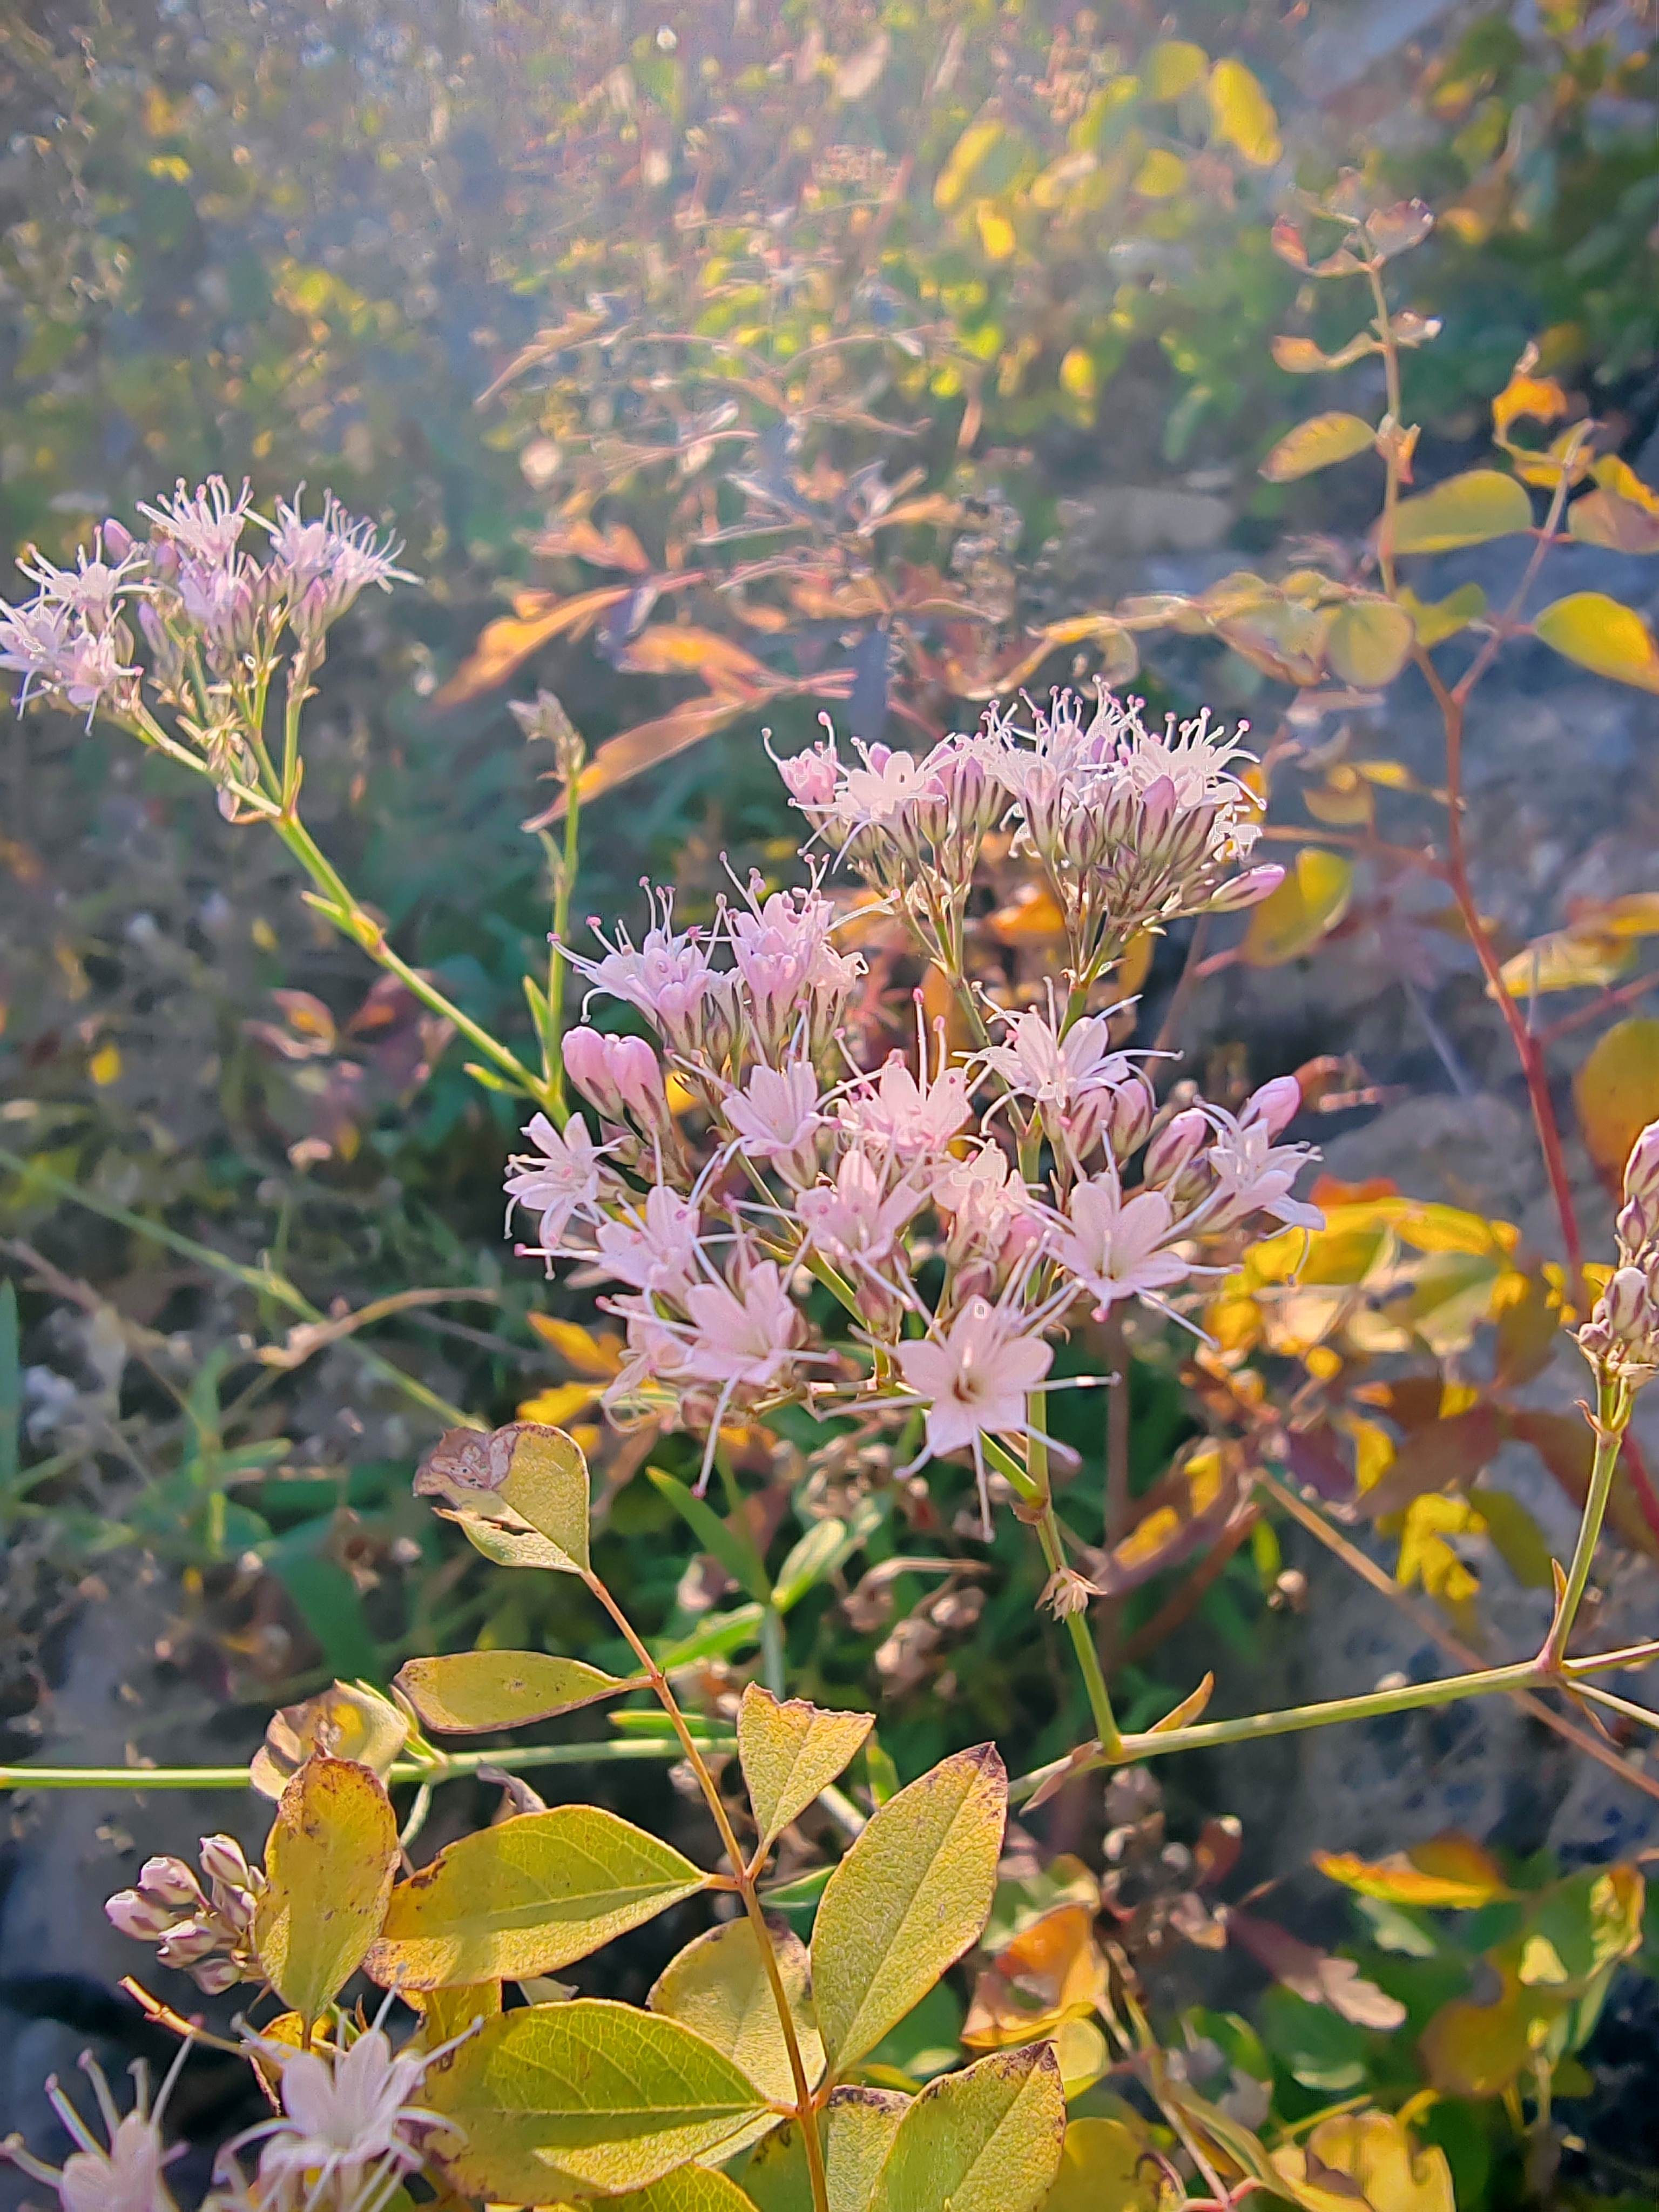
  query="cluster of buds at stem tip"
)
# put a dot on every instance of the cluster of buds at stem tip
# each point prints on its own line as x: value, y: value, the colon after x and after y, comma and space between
x: 209, y: 1933
x: 1621, y: 1337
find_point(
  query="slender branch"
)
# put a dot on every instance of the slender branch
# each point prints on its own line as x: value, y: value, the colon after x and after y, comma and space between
x: 1077, y: 1623
x: 452, y: 1766
x: 1613, y: 1408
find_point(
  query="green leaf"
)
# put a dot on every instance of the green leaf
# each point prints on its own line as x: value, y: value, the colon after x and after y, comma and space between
x: 504, y: 1545
x: 328, y: 1863
x: 859, y: 2126
x: 1242, y: 115
x: 1600, y: 634
x: 718, y: 1987
x: 1171, y: 67
x: 1318, y: 443
x: 1442, y: 618
x: 589, y: 2095
x: 1466, y: 510
x: 790, y: 1751
x: 527, y: 1898
x: 473, y: 1690
x: 1369, y: 640
x: 908, y: 1900
x: 986, y: 2140
x: 1104, y: 2167
x: 689, y: 2189
x: 738, y: 1558
x: 547, y: 1486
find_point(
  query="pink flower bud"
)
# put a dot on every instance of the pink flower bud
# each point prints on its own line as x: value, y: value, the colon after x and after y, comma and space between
x: 187, y: 1944
x: 1158, y: 803
x: 1274, y: 1106
x: 213, y: 1976
x: 222, y: 1860
x: 636, y: 1073
x: 137, y: 1917
x: 170, y: 1881
x: 1642, y: 1169
x: 1625, y: 1307
x: 1247, y: 890
x: 588, y: 1063
x: 118, y: 540
x: 1177, y: 1144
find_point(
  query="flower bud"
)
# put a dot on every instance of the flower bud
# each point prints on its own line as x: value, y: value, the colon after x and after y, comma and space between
x: 137, y: 1917
x: 1641, y: 1171
x: 1638, y: 1225
x: 1247, y: 890
x: 1274, y: 1106
x: 637, y: 1073
x: 1066, y: 1593
x: 117, y: 539
x: 187, y: 1944
x: 213, y: 1976
x: 1625, y: 1309
x: 170, y: 1881
x: 588, y: 1063
x: 222, y: 1861
x: 1177, y: 1144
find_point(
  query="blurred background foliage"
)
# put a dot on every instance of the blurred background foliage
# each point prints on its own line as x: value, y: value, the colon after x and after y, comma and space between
x: 716, y: 363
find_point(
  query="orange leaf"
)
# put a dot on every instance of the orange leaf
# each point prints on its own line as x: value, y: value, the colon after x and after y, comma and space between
x: 507, y: 644
x: 668, y: 650
x: 614, y: 546
x: 1450, y: 1871
x: 622, y: 758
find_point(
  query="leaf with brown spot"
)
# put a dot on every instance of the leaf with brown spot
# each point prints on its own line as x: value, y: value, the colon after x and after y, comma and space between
x: 329, y: 1863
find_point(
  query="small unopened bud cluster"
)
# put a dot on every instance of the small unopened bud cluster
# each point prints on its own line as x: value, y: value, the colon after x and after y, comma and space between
x: 209, y: 1933
x: 1621, y: 1337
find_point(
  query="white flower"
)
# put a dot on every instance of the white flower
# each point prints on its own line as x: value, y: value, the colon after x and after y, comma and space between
x: 857, y: 1218
x: 1254, y: 1175
x: 887, y: 785
x: 346, y: 2120
x: 775, y: 1116
x: 1115, y: 1246
x: 560, y: 1180
x: 910, y: 1119
x: 126, y: 2176
x: 207, y: 524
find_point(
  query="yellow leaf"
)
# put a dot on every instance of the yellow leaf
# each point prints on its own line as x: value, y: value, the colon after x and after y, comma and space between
x: 1600, y: 634
x: 468, y: 1691
x: 1375, y: 2158
x: 1540, y: 397
x: 1448, y: 1871
x: 719, y: 1988
x: 1369, y: 640
x: 790, y: 1752
x: 1032, y: 916
x: 547, y: 1486
x: 1621, y: 513
x: 558, y: 1405
x: 1077, y: 375
x: 104, y: 1065
x: 1426, y: 1556
x: 533, y: 1894
x: 857, y: 2129
x: 1242, y: 115
x: 969, y: 150
x: 996, y: 232
x: 669, y: 649
x: 1617, y: 1091
x: 1171, y: 67
x: 1479, y: 2050
x: 1567, y: 960
x: 1465, y: 510
x: 1318, y: 443
x: 505, y: 644
x: 908, y: 1899
x: 1104, y: 2167
x: 598, y: 1356
x: 1444, y: 617
x: 1344, y: 800
x: 446, y: 2014
x: 1052, y: 1971
x: 329, y: 1863
x: 987, y: 2139
x: 1161, y: 175
x: 1290, y: 920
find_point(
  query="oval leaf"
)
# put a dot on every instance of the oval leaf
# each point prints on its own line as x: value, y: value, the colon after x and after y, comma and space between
x: 1104, y: 2167
x: 1318, y: 443
x: 859, y: 2126
x: 1450, y: 1871
x: 1369, y: 640
x: 474, y: 1690
x: 1617, y: 1091
x: 718, y: 1987
x: 1465, y: 510
x: 1290, y: 920
x: 1600, y: 634
x: 1368, y: 2158
x: 986, y: 2140
x: 1242, y: 115
x: 689, y: 2189
x: 527, y: 1898
x: 546, y: 1485
x: 589, y: 2094
x: 908, y: 1898
x: 790, y: 1751
x: 329, y: 1863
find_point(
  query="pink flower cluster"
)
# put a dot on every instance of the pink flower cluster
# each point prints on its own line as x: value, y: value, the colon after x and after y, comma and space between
x: 205, y: 608
x: 785, y: 1226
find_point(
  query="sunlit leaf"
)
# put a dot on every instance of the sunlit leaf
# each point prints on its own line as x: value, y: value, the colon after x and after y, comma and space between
x: 329, y: 1863
x: 620, y: 759
x: 1622, y: 512
x: 1318, y: 443
x: 1052, y: 1971
x: 966, y: 155
x: 1302, y: 357
x: 1617, y: 1091
x: 469, y: 1691
x: 987, y: 2139
x: 688, y: 2189
x: 1171, y: 67
x: 1466, y: 510
x: 1242, y: 115
x: 858, y: 2128
x: 1369, y: 640
x: 1449, y: 1871
x: 1396, y: 229
x: 614, y: 546
x: 790, y: 1752
x: 1600, y: 634
x: 1290, y: 920
x: 1444, y: 617
x: 668, y: 649
x: 1371, y: 2157
x: 1161, y: 174
x: 589, y: 2094
x: 718, y: 1987
x: 1104, y: 2167
x: 1567, y: 960
x: 908, y: 1899
x: 527, y: 1897
x: 507, y: 644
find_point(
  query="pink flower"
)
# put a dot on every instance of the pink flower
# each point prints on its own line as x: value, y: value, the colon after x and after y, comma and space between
x: 657, y: 1254
x: 621, y: 1075
x: 809, y: 778
x: 1254, y: 1175
x: 856, y: 1218
x: 127, y: 2175
x: 1113, y: 1246
x: 885, y: 788
x: 775, y: 1117
x: 975, y: 1380
x: 668, y: 975
x: 347, y: 2116
x: 787, y: 959
x: 1036, y: 1063
x: 205, y: 524
x: 559, y: 1180
x: 745, y: 1339
x: 910, y: 1119
x: 990, y: 1208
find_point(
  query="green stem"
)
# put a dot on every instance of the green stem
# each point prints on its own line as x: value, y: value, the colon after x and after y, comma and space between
x: 1612, y: 1408
x: 263, y: 1281
x: 563, y: 889
x: 453, y: 1766
x: 1202, y: 1735
x: 1054, y: 1551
